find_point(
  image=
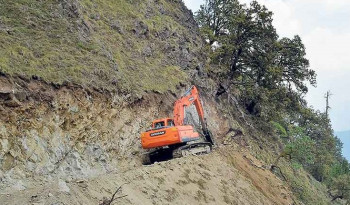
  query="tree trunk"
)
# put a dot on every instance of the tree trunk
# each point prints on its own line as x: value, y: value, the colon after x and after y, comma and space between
x: 234, y: 62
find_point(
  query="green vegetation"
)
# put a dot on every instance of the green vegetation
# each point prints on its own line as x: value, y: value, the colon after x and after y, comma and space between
x: 269, y: 72
x: 115, y: 45
x: 269, y: 75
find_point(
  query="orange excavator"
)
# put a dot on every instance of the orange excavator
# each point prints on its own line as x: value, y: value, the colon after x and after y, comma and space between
x: 173, y: 138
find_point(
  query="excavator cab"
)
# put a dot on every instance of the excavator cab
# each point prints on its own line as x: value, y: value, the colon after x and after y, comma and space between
x: 162, y: 123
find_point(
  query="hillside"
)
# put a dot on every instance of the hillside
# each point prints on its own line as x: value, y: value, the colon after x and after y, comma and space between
x: 78, y: 80
x: 81, y: 79
x: 117, y: 45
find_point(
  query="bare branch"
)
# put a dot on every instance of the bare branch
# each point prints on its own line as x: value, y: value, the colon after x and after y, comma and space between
x: 109, y: 201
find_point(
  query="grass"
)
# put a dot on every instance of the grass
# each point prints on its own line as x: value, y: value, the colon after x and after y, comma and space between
x: 304, y: 187
x: 42, y: 39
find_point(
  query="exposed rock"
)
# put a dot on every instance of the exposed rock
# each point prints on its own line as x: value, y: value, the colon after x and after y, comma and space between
x: 4, y: 96
x: 165, y: 34
x: 141, y: 29
x: 84, y: 28
x: 222, y: 177
x: 12, y: 101
x: 5, y: 89
x: 83, y: 128
x: 147, y: 51
x: 62, y: 186
x: 71, y: 8
x: 116, y: 25
x: 19, y: 186
x: 7, y: 162
x: 20, y: 95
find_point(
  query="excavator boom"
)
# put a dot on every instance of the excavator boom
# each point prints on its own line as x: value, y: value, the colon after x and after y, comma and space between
x: 189, y: 98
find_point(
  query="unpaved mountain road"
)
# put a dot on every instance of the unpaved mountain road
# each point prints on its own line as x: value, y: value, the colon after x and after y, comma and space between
x: 226, y: 176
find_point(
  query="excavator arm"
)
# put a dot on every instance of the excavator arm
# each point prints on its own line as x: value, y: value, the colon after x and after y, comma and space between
x: 189, y: 98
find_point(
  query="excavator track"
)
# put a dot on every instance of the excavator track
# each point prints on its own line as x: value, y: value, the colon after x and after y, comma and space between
x: 197, y: 148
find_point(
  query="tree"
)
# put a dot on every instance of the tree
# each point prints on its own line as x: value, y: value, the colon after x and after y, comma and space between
x: 249, y: 56
x: 340, y: 187
x: 244, y: 35
x: 291, y: 59
x: 301, y: 148
x: 328, y: 96
x: 214, y: 15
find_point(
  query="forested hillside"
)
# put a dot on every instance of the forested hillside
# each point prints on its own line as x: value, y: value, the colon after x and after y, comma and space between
x: 269, y: 75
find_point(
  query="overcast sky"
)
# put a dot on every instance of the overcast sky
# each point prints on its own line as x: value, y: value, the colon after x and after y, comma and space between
x: 324, y: 26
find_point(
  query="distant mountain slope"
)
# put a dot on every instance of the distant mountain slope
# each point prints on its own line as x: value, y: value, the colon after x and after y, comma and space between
x: 345, y: 138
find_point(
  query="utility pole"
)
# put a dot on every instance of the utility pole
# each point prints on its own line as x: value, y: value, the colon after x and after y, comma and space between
x: 327, y: 96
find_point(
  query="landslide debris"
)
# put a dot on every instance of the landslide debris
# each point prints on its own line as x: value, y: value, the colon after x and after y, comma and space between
x: 222, y: 177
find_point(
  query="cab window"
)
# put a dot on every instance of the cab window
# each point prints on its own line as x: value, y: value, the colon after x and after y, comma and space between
x: 159, y: 124
x: 170, y: 123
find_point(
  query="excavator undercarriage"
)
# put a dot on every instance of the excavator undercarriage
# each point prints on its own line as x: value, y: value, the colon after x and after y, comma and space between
x: 172, y: 152
x: 196, y: 148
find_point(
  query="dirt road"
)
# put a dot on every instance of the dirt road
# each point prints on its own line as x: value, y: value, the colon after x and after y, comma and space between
x: 226, y: 176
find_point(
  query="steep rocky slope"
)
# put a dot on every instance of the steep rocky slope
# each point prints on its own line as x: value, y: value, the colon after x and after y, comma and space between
x: 79, y: 81
x: 75, y: 145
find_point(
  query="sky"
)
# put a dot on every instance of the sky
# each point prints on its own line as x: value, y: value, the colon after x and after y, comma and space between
x: 324, y: 26
x: 345, y: 138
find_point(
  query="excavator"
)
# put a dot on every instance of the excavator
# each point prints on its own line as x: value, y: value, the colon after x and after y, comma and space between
x: 175, y: 137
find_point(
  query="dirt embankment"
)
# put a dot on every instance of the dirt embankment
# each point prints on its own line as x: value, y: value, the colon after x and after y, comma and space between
x: 69, y: 131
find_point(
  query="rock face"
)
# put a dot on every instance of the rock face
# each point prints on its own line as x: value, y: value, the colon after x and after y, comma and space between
x: 73, y: 132
x: 85, y: 80
x: 69, y: 134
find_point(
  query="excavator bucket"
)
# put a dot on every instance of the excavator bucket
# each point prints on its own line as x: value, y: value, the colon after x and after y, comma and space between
x: 209, y: 137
